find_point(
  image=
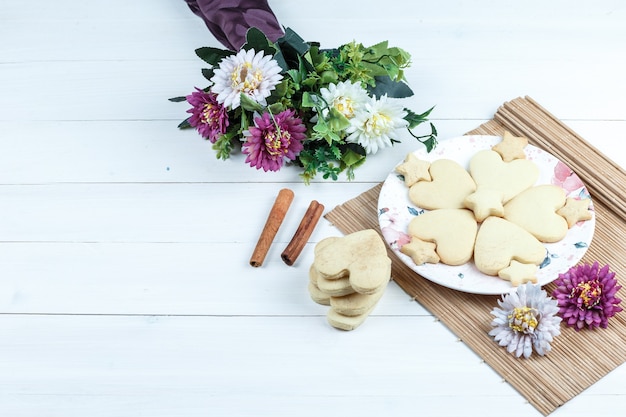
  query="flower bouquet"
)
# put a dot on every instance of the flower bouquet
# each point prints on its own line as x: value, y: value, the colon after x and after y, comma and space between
x: 289, y: 102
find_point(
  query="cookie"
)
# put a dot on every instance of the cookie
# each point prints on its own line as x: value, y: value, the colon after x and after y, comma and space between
x: 499, y: 242
x: 319, y: 248
x: 575, y: 210
x: 511, y: 147
x: 452, y: 230
x: 510, y: 178
x: 355, y: 304
x: 335, y: 287
x: 317, y: 295
x: 450, y: 184
x: 485, y: 202
x: 519, y: 273
x: 420, y: 251
x: 360, y: 256
x: 343, y: 322
x: 535, y: 210
x: 413, y: 170
x: 350, y: 274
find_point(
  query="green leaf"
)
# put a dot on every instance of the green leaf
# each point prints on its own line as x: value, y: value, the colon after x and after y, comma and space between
x: 395, y: 89
x: 352, y: 159
x: 275, y: 108
x: 249, y: 104
x: 223, y: 146
x: 177, y: 99
x: 337, y: 121
x: 184, y: 124
x: 212, y: 55
x: 375, y: 70
x: 429, y: 141
x: 319, y: 59
x: 415, y: 119
x: 294, y: 41
x: 293, y: 50
x: 335, y: 152
x: 208, y: 73
x: 328, y: 77
x: 296, y: 76
x: 255, y: 39
x: 280, y: 59
x: 279, y: 92
x: 310, y: 100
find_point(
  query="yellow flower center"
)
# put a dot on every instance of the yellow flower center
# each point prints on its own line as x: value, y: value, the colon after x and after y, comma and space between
x: 523, y: 319
x: 344, y: 106
x: 207, y: 114
x: 245, y: 78
x: 589, y: 292
x: 377, y: 124
x: 274, y: 142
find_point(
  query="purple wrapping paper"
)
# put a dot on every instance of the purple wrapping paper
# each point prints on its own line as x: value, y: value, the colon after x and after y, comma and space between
x: 228, y: 20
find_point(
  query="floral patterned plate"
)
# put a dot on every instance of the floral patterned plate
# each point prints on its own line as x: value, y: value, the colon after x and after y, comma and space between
x: 395, y: 211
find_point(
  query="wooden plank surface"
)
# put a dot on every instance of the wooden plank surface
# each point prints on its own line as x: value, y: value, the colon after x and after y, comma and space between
x: 124, y: 283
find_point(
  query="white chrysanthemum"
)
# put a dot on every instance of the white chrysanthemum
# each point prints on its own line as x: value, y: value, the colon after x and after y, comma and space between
x: 526, y: 319
x: 346, y: 97
x: 254, y: 74
x: 376, y: 124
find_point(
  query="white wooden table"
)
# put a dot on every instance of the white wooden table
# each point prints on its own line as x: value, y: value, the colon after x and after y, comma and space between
x: 125, y: 288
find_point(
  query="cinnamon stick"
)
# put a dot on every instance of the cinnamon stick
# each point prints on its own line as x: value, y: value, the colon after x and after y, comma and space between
x: 303, y: 232
x: 272, y: 224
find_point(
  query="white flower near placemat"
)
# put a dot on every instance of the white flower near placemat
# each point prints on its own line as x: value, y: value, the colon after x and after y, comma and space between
x: 526, y: 320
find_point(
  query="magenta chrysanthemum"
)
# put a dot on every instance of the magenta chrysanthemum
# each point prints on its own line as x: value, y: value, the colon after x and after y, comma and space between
x: 587, y: 296
x: 208, y: 116
x: 274, y: 139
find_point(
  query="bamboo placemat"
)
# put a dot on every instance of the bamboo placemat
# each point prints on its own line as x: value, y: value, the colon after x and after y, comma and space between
x: 577, y: 359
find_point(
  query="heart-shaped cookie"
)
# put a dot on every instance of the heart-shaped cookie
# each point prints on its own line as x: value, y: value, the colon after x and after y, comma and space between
x: 500, y: 241
x: 535, y: 210
x: 355, y: 304
x: 511, y: 178
x: 452, y: 230
x: 450, y: 184
x: 360, y: 257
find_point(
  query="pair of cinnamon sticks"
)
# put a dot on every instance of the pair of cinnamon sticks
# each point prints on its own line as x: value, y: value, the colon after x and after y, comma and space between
x: 274, y: 220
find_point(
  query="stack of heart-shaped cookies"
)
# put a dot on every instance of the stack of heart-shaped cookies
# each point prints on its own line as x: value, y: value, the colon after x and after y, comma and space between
x: 493, y: 211
x: 349, y: 274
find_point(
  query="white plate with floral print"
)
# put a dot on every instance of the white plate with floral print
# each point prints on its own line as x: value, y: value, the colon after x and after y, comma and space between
x: 395, y: 211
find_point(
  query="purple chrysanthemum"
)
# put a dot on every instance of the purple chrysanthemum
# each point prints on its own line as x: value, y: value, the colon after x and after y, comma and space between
x: 208, y: 116
x: 587, y: 296
x: 274, y: 139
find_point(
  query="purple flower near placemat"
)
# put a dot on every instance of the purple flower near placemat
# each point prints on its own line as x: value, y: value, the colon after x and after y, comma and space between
x: 587, y: 296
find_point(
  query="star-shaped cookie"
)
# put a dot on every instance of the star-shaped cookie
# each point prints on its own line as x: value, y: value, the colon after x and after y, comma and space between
x: 511, y: 147
x: 575, y: 210
x: 421, y: 251
x: 519, y: 273
x: 414, y: 169
x: 485, y: 202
